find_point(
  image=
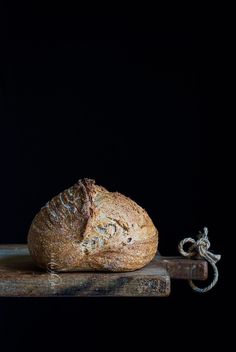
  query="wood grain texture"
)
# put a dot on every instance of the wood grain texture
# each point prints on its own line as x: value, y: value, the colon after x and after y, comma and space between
x: 19, y: 277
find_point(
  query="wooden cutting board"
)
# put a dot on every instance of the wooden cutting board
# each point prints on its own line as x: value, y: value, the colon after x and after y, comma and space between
x: 19, y: 277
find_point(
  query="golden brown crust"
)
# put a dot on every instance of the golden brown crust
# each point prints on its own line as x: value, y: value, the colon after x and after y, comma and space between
x: 88, y: 228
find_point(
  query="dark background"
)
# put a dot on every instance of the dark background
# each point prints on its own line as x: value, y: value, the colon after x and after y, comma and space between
x: 126, y: 101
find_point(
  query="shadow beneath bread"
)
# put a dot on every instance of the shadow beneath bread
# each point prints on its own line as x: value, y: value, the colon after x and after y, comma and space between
x: 21, y: 263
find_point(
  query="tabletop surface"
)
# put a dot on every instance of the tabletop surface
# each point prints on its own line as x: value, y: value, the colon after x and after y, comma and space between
x: 19, y: 277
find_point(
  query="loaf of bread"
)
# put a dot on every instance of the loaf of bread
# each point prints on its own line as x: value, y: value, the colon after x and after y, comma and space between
x: 87, y: 228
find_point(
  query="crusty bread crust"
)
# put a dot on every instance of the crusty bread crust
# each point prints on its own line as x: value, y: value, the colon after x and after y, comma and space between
x: 87, y: 228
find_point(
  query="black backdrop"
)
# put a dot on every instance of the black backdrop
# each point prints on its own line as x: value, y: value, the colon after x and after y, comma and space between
x: 122, y: 100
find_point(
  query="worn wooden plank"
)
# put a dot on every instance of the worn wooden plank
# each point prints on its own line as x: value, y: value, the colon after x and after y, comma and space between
x: 20, y: 277
x: 181, y: 268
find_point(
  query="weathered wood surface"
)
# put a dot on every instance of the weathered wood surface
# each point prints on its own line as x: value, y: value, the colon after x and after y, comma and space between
x: 20, y: 277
